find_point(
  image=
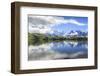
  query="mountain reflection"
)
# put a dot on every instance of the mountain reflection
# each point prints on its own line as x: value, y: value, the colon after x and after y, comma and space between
x: 58, y: 50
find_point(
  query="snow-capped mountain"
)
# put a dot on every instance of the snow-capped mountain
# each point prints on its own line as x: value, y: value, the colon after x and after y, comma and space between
x: 77, y: 33
x: 55, y: 33
x: 72, y: 33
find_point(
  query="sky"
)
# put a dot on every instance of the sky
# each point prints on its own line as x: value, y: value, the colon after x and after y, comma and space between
x: 50, y: 24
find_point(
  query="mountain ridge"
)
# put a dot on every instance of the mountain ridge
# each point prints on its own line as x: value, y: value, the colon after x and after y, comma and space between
x: 71, y: 33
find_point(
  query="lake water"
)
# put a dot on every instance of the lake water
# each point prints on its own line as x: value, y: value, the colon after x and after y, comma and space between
x: 58, y: 50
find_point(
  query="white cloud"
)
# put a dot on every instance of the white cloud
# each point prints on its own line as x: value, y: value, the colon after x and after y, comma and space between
x: 38, y: 29
x: 43, y: 24
x: 75, y: 22
x: 62, y: 20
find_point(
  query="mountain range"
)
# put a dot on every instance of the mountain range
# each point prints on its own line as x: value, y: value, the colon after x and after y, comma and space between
x: 77, y: 33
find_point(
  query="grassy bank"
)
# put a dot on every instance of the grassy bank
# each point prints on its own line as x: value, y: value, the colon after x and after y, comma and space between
x: 37, y: 38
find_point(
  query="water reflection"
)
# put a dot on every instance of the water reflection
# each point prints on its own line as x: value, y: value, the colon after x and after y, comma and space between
x: 58, y: 50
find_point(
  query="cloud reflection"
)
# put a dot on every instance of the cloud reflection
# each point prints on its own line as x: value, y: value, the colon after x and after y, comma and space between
x: 50, y: 51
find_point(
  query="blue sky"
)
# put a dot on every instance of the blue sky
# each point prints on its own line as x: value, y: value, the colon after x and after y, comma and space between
x: 45, y: 24
x: 67, y: 27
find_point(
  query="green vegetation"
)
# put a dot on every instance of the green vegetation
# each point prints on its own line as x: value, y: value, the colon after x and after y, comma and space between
x: 77, y: 38
x: 37, y: 38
